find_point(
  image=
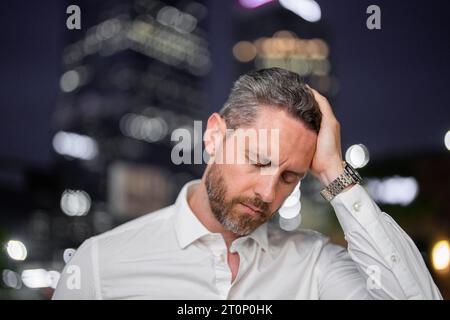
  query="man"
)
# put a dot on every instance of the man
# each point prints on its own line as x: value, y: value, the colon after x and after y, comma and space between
x: 215, y: 242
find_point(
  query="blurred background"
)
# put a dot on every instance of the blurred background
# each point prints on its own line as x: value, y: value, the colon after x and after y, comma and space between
x: 86, y: 115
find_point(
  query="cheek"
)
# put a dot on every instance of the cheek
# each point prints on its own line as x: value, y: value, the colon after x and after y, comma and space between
x: 242, y: 174
x: 276, y: 204
x: 238, y: 180
x: 283, y: 192
x: 244, y: 179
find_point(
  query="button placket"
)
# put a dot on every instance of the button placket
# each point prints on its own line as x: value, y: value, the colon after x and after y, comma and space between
x: 223, y: 274
x: 394, y: 258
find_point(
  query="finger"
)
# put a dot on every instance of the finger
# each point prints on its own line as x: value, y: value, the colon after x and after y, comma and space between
x: 323, y: 103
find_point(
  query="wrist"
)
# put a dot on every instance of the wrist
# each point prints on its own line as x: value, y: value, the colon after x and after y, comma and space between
x: 336, y: 182
x: 331, y: 173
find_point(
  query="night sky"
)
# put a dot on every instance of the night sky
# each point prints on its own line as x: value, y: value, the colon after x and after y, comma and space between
x: 392, y: 82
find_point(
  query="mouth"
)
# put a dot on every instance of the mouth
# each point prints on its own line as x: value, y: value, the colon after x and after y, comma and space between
x: 251, y: 210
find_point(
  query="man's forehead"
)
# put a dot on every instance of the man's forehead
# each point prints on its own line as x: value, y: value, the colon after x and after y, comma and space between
x: 268, y: 158
x: 277, y: 137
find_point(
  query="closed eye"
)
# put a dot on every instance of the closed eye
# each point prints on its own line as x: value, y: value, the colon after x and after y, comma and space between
x: 261, y: 165
x: 289, y: 178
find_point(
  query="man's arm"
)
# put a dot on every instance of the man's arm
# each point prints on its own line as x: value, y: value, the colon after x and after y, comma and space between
x: 379, y: 248
x: 379, y: 251
x: 79, y: 279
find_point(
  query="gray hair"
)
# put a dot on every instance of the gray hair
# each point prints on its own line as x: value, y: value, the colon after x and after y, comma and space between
x: 272, y: 87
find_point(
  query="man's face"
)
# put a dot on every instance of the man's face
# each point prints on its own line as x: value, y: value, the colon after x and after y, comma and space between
x: 242, y: 195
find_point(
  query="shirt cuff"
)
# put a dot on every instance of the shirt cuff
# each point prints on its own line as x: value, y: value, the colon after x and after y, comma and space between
x: 355, y: 208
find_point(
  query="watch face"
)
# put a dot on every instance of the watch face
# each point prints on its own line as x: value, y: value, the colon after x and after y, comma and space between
x: 355, y: 175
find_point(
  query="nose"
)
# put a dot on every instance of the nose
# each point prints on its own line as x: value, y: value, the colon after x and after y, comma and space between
x: 265, y: 188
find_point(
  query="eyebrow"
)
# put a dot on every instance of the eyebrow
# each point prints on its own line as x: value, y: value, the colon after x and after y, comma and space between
x: 301, y: 175
x: 258, y: 156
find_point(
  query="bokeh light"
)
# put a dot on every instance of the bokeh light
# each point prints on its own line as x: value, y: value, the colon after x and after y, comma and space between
x: 244, y: 51
x: 69, y: 81
x: 307, y: 9
x: 75, y: 145
x: 440, y: 255
x: 40, y: 278
x: 357, y: 155
x: 75, y: 202
x: 291, y: 206
x: 290, y: 224
x: 16, y: 250
x: 252, y: 4
x: 393, y: 190
x: 447, y: 140
x: 11, y: 279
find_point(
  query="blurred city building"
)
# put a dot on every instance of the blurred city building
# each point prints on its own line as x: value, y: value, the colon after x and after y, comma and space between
x: 87, y: 116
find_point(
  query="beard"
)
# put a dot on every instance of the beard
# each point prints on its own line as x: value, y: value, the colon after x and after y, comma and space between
x: 226, y: 211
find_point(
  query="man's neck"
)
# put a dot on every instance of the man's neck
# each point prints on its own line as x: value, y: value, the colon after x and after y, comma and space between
x: 198, y: 201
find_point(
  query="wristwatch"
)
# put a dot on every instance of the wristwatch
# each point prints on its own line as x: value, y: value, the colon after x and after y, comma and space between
x: 350, y: 176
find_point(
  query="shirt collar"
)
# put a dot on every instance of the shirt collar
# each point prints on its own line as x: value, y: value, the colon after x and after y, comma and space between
x: 187, y: 226
x: 261, y: 237
x: 189, y: 229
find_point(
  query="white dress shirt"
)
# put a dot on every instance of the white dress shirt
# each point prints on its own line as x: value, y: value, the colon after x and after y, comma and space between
x: 169, y: 254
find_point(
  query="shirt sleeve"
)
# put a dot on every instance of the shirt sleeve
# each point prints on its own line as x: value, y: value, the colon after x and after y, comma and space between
x: 79, y: 279
x: 381, y: 261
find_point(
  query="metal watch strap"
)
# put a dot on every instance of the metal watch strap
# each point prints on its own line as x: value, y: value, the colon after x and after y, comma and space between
x: 338, y: 184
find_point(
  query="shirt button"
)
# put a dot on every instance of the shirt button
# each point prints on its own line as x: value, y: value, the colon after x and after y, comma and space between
x: 222, y: 258
x: 394, y: 258
x: 357, y: 206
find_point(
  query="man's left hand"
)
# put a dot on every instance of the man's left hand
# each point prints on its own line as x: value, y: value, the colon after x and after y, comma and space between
x: 327, y: 161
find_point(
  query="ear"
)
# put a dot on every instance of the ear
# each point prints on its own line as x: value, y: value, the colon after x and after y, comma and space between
x: 214, y: 134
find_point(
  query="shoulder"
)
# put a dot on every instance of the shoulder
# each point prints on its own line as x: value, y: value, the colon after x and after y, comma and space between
x: 152, y: 220
x: 299, y: 237
x: 303, y: 241
x: 130, y: 235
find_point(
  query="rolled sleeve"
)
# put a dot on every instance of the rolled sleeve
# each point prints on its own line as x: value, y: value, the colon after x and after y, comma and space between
x: 380, y: 247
